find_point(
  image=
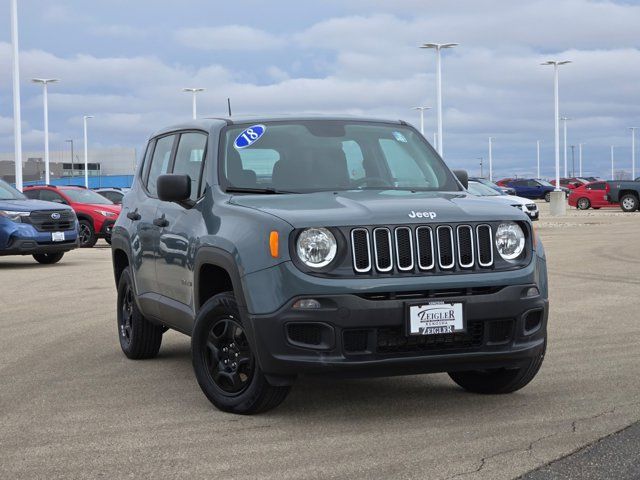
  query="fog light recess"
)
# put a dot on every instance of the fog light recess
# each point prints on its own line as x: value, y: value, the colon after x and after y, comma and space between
x: 307, y: 304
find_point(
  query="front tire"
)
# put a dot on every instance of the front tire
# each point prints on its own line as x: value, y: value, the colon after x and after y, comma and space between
x: 139, y: 338
x: 224, y: 364
x: 48, y: 258
x: 87, y: 234
x: 583, y: 204
x: 547, y: 197
x: 500, y: 380
x: 629, y: 203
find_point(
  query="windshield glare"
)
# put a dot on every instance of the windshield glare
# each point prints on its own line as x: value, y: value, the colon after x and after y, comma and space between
x: 320, y: 155
x: 87, y: 196
x: 481, y: 190
x: 7, y: 192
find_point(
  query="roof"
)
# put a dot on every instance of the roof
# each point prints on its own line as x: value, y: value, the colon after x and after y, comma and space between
x: 216, y: 122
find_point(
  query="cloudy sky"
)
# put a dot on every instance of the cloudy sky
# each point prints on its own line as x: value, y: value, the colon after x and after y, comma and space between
x: 126, y: 61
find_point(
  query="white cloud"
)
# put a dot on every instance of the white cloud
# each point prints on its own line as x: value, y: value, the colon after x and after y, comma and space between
x: 228, y: 37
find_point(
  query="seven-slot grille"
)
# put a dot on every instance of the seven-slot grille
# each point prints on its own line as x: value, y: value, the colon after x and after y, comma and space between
x: 422, y: 248
x: 51, y: 220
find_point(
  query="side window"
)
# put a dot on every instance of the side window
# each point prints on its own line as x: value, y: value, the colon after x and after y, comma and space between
x: 353, y: 154
x: 51, y: 196
x: 189, y: 158
x: 519, y: 183
x: 598, y: 186
x: 146, y: 160
x: 32, y: 194
x: 159, y: 162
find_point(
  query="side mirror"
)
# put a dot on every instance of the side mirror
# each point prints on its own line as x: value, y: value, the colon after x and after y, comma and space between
x: 175, y: 188
x: 463, y: 177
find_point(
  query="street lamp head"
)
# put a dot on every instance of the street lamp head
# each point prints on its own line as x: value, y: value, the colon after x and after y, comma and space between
x: 193, y: 90
x: 556, y: 62
x: 87, y: 116
x: 44, y: 81
x: 421, y: 108
x: 438, y: 46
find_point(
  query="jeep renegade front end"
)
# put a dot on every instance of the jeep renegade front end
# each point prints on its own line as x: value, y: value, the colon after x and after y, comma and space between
x: 331, y: 246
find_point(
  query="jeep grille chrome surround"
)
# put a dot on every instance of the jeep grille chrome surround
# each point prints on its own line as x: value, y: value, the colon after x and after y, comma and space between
x: 422, y: 248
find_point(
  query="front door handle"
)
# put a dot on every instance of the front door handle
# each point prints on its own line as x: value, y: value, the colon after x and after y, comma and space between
x: 135, y: 216
x: 161, y: 222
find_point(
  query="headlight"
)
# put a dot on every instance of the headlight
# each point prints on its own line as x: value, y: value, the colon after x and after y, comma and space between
x: 13, y: 215
x: 509, y: 240
x: 106, y: 214
x: 316, y: 247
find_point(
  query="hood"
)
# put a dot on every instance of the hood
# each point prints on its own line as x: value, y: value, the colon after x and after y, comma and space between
x: 27, y: 205
x: 107, y: 208
x: 373, y: 207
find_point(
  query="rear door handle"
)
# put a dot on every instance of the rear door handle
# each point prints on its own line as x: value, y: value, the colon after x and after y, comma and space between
x: 135, y: 216
x: 161, y: 222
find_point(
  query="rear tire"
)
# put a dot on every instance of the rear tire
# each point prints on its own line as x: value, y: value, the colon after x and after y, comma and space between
x: 139, y: 338
x: 87, y: 234
x: 501, y: 380
x: 224, y: 364
x: 48, y: 258
x: 547, y: 197
x: 583, y: 203
x: 629, y: 203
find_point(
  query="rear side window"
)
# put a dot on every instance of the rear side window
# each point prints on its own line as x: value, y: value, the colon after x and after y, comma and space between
x: 159, y: 162
x: 189, y: 158
x: 598, y: 186
x: 32, y: 194
x: 50, y: 196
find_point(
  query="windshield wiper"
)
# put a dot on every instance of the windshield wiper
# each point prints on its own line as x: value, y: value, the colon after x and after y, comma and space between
x: 268, y: 191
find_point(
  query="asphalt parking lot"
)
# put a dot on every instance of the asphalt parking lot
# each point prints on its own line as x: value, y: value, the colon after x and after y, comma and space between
x: 72, y: 406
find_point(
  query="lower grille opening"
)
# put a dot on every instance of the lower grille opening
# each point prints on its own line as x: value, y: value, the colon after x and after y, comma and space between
x: 310, y: 335
x: 500, y: 331
x: 393, y: 340
x: 355, y: 341
x: 532, y: 321
x: 460, y: 292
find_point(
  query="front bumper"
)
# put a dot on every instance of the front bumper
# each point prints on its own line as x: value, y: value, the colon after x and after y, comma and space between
x: 362, y: 335
x: 27, y: 246
x: 106, y: 229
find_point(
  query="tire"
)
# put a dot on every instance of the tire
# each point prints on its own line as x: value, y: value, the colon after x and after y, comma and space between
x: 225, y: 367
x: 583, y: 203
x: 87, y: 234
x: 48, y: 258
x: 139, y: 338
x: 547, y: 197
x: 108, y: 240
x: 499, y: 381
x: 629, y: 203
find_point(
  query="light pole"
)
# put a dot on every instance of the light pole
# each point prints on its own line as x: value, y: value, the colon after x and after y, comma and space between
x: 71, y: 142
x: 481, y: 170
x: 538, y: 157
x: 86, y: 151
x: 580, y: 157
x: 438, y: 47
x: 194, y: 92
x: 556, y: 99
x: 564, y: 121
x: 17, y: 127
x: 422, y: 109
x: 491, y: 159
x: 613, y: 174
x: 45, y: 100
x: 633, y: 152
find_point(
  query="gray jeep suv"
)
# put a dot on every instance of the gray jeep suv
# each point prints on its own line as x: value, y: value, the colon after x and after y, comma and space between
x: 332, y: 246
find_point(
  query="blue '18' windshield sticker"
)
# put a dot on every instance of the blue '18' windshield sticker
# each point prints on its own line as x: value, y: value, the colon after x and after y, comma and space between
x: 249, y: 136
x: 400, y: 137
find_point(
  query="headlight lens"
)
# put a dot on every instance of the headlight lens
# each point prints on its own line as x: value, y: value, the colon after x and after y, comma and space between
x: 14, y: 216
x: 316, y: 247
x: 510, y: 240
x: 106, y: 214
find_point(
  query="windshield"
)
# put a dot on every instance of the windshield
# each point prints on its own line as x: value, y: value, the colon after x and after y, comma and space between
x: 481, y: 190
x: 7, y: 192
x: 319, y: 155
x: 86, y: 196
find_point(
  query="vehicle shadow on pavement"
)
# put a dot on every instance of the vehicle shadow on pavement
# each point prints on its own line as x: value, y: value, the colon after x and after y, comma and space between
x: 32, y: 264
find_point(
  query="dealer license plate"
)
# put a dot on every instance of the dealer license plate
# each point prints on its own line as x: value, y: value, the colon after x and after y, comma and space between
x: 435, y: 318
x: 57, y: 236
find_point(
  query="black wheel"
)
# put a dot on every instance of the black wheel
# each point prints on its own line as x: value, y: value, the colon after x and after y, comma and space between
x: 108, y: 239
x: 139, y: 338
x: 583, y: 204
x: 224, y: 364
x: 547, y: 197
x: 501, y: 380
x: 48, y: 258
x: 629, y: 203
x: 87, y: 234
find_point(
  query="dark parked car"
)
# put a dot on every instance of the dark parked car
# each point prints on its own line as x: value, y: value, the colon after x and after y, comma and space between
x: 626, y: 193
x: 329, y: 246
x: 531, y: 188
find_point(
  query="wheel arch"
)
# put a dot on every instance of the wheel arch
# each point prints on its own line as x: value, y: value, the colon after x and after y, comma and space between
x: 120, y: 257
x: 216, y: 271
